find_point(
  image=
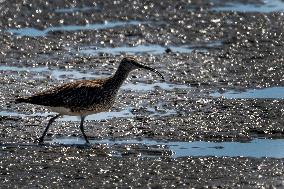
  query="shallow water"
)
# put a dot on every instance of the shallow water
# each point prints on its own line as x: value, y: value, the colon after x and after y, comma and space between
x: 23, y: 69
x: 55, y: 74
x: 126, y: 113
x: 266, y: 7
x: 150, y: 87
x: 267, y: 93
x: 32, y: 32
x: 76, y: 9
x: 136, y: 50
x: 148, y: 49
x: 17, y: 114
x: 255, y: 148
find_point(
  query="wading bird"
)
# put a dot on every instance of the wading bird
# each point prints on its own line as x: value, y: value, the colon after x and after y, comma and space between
x: 85, y: 97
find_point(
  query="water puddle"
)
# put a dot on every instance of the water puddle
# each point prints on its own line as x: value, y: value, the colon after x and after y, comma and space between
x: 266, y: 7
x: 77, y: 9
x: 147, y: 49
x: 127, y: 113
x: 16, y: 114
x: 136, y: 50
x: 32, y: 32
x: 254, y: 148
x: 54, y: 74
x: 23, y: 69
x: 151, y: 87
x: 267, y: 93
x: 102, y: 116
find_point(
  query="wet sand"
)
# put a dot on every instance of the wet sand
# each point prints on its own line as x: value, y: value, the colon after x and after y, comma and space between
x: 221, y: 51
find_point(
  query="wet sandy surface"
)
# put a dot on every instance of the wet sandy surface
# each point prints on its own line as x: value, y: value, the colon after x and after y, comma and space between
x: 90, y: 168
x: 226, y: 51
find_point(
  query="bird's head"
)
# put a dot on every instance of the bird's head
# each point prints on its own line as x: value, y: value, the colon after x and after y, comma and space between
x: 130, y: 63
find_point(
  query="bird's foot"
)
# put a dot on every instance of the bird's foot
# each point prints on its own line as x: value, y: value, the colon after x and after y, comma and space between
x: 87, y: 143
x: 39, y: 140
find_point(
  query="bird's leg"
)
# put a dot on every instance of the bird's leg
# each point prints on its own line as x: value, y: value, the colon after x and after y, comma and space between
x: 40, y: 140
x: 82, y: 129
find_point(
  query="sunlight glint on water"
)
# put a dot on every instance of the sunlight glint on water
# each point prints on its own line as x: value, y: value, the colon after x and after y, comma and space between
x: 255, y: 148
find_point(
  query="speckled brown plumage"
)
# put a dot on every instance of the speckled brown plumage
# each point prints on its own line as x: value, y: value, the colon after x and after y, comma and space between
x: 79, y: 96
x: 82, y: 98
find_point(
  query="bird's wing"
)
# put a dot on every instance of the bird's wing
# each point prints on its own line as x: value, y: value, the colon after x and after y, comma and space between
x: 77, y: 94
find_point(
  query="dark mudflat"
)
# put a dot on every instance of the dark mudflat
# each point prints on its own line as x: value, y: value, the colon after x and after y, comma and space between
x: 206, y: 51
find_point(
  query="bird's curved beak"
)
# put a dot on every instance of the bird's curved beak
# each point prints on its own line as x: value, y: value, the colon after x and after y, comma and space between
x: 151, y: 69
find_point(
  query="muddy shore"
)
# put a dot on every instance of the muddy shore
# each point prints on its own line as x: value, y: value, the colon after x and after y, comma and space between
x: 222, y: 51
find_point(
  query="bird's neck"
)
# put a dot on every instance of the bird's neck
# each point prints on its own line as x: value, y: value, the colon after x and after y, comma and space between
x: 120, y: 76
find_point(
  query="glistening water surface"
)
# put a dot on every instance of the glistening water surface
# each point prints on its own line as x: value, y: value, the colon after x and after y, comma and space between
x: 77, y: 9
x: 126, y: 113
x: 150, y: 87
x: 266, y: 7
x: 32, y: 32
x: 267, y: 93
x: 153, y: 49
x: 53, y: 73
x: 254, y: 148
